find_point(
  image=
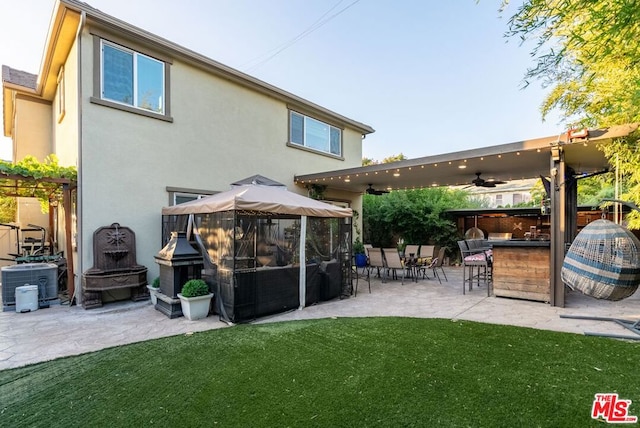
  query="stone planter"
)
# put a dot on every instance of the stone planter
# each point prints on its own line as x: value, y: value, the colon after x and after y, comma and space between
x: 195, y: 308
x: 153, y: 292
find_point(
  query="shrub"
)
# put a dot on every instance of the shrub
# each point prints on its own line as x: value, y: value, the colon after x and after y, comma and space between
x: 156, y: 283
x: 358, y: 247
x: 194, y: 288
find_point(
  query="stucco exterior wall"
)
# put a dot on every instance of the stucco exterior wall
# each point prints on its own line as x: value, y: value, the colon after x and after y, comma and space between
x: 65, y: 138
x: 221, y: 132
x: 29, y: 211
x: 32, y: 137
x: 32, y: 130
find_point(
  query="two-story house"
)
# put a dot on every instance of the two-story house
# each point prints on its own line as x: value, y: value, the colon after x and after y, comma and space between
x: 511, y: 194
x: 149, y: 123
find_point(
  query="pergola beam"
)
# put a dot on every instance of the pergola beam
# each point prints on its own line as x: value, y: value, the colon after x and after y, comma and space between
x: 32, y: 184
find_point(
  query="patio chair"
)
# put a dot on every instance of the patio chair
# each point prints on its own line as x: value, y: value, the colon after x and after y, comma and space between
x: 427, y: 252
x: 376, y: 261
x: 472, y: 259
x: 367, y: 247
x: 482, y: 245
x: 425, y: 257
x: 412, y: 254
x: 356, y: 275
x: 411, y: 249
x: 393, y: 262
x: 436, y: 264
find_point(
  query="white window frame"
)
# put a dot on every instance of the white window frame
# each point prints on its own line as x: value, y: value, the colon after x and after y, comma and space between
x: 304, y: 143
x: 519, y: 196
x: 135, y: 55
x: 176, y: 195
x: 175, y: 192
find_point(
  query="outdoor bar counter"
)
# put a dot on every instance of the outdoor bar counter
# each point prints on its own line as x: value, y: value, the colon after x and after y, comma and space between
x: 521, y: 269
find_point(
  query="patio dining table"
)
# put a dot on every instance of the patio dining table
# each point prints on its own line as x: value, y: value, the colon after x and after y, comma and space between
x: 415, y: 264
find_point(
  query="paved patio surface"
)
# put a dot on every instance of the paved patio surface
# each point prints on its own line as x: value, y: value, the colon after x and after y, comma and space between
x: 62, y: 330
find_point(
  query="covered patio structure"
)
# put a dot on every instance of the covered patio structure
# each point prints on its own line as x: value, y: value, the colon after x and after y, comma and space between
x: 562, y: 159
x: 265, y: 249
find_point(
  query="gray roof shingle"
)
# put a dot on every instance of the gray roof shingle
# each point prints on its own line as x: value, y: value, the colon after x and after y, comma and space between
x: 18, y: 77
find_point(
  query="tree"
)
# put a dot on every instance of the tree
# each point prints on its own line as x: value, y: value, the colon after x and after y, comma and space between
x: 587, y: 51
x: 417, y: 216
x: 394, y: 158
x: 389, y: 159
x: 368, y: 161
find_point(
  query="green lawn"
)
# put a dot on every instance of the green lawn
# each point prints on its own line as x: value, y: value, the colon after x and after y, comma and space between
x: 387, y: 372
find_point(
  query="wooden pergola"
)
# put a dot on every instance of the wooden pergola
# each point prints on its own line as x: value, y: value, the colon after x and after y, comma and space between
x: 15, y: 185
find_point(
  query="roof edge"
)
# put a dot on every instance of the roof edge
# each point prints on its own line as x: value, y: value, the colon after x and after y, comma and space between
x: 221, y: 69
x: 598, y: 134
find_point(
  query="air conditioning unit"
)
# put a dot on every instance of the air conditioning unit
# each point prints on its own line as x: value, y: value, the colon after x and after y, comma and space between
x: 27, y: 298
x: 43, y: 275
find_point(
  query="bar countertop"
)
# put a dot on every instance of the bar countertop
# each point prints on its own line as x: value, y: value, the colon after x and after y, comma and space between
x: 519, y: 243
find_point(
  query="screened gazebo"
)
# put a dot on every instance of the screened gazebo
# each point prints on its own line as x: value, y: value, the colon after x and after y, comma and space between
x: 266, y: 249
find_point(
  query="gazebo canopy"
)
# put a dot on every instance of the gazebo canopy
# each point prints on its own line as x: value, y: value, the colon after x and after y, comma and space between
x: 262, y: 198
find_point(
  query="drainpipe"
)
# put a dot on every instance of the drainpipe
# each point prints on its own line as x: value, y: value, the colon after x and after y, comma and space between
x: 76, y: 295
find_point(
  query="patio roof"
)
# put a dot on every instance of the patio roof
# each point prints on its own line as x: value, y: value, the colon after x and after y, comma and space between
x: 513, y: 161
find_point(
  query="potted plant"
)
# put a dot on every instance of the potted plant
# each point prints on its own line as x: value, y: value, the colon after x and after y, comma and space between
x: 358, y: 251
x: 401, y: 246
x: 153, y: 290
x: 195, y: 299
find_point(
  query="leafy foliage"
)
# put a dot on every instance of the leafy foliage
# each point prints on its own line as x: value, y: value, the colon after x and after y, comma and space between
x: 587, y: 51
x: 8, y: 208
x: 626, y: 150
x: 358, y: 247
x: 29, y: 167
x: 368, y: 161
x: 316, y: 191
x: 592, y: 190
x: 35, y: 179
x: 417, y: 216
x: 388, y: 159
x: 194, y: 288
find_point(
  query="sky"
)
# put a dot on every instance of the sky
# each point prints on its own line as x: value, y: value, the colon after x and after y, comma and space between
x: 429, y: 76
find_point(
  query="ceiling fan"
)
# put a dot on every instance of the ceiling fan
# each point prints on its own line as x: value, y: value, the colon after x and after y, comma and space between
x: 481, y: 182
x: 371, y: 191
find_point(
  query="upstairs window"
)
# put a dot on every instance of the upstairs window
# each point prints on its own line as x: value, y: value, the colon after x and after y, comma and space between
x: 314, y: 134
x: 517, y: 198
x: 131, y: 78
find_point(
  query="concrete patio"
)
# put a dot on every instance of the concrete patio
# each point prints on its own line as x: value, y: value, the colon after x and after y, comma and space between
x: 61, y: 330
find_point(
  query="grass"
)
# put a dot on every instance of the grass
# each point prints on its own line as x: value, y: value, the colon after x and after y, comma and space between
x: 350, y: 372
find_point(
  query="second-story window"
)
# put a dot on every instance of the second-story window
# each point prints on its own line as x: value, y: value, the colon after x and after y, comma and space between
x: 131, y: 78
x: 314, y: 134
x: 517, y: 198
